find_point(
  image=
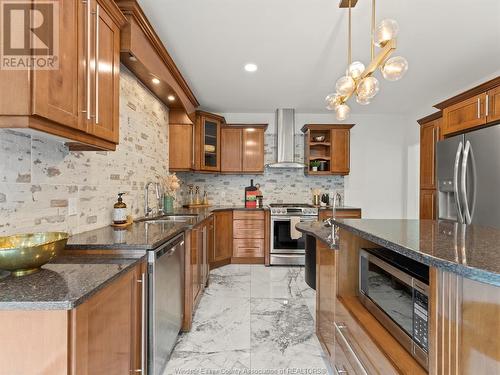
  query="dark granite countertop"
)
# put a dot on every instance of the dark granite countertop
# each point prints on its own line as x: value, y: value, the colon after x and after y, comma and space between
x: 470, y: 251
x: 61, y: 285
x: 143, y: 235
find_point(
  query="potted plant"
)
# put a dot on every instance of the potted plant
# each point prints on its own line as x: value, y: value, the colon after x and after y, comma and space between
x: 314, y: 165
x: 170, y: 184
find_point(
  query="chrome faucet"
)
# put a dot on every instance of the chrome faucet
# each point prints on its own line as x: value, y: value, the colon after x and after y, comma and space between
x: 148, y: 211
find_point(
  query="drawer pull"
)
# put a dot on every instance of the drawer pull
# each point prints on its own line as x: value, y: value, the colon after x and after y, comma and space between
x: 343, y: 332
x: 340, y: 371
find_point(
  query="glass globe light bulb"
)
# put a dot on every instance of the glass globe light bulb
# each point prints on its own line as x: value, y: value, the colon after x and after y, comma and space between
x: 387, y: 30
x: 395, y: 68
x: 355, y: 70
x: 332, y: 101
x: 345, y: 85
x: 367, y: 88
x: 342, y: 112
x: 362, y: 101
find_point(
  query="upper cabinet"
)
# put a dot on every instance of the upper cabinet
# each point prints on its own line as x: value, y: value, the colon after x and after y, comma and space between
x: 430, y: 134
x: 180, y: 136
x: 476, y: 107
x: 243, y: 148
x: 327, y: 149
x: 207, y: 145
x: 78, y: 101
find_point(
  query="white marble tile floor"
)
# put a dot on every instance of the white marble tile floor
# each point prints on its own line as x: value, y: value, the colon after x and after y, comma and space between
x: 252, y: 320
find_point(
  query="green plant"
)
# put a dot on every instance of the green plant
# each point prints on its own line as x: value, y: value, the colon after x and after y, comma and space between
x: 315, y: 163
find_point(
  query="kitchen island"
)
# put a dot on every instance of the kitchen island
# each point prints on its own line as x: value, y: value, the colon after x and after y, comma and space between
x: 463, y: 296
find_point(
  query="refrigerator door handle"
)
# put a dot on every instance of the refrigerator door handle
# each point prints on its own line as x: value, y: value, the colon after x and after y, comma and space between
x: 465, y: 162
x: 455, y: 182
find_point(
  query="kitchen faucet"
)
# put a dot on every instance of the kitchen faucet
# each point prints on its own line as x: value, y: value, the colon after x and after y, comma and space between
x: 148, y: 211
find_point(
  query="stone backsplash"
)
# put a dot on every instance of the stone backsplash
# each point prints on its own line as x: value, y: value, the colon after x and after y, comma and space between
x: 40, y: 178
x: 277, y: 185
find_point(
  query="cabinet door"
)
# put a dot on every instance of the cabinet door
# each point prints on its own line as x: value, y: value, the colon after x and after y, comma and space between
x: 55, y: 92
x: 105, y: 121
x: 253, y: 150
x: 428, y: 139
x: 223, y: 226
x: 340, y: 149
x: 180, y: 141
x: 465, y: 115
x: 231, y: 150
x: 195, y: 263
x: 104, y: 329
x: 325, y: 297
x: 210, y: 144
x: 248, y: 248
x: 493, y: 111
x: 428, y: 204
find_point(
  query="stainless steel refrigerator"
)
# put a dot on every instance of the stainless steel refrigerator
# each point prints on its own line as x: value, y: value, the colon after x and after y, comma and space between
x: 468, y: 176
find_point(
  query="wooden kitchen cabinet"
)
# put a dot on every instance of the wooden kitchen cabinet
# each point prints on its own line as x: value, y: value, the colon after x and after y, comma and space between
x: 333, y: 151
x: 102, y: 336
x: 493, y: 104
x: 207, y: 143
x: 428, y: 201
x: 242, y: 148
x: 79, y: 101
x: 473, y: 108
x: 180, y: 141
x: 465, y: 115
x: 430, y: 134
x: 223, y: 239
x: 249, y: 236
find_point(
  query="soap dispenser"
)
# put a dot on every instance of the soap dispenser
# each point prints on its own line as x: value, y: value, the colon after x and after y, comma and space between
x: 120, y: 211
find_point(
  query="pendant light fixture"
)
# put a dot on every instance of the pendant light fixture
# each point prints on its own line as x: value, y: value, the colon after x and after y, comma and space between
x: 358, y: 80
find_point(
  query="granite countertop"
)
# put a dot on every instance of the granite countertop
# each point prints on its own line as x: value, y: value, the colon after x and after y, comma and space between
x: 61, y: 285
x: 470, y: 251
x: 143, y: 235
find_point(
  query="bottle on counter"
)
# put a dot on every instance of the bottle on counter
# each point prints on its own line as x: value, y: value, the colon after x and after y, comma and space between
x: 197, y: 199
x: 260, y: 197
x: 120, y: 211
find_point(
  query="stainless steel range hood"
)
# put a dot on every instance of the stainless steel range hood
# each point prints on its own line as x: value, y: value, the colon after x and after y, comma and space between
x: 285, y: 140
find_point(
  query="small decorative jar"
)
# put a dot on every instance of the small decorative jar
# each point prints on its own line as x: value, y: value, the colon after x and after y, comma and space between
x: 168, y: 204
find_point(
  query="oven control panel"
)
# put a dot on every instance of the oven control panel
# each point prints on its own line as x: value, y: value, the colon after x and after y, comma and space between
x: 294, y: 211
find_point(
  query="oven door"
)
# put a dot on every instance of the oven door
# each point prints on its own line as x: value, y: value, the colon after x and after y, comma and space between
x: 281, y: 240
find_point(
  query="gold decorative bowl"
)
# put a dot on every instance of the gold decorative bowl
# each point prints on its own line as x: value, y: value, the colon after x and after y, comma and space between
x: 24, y: 254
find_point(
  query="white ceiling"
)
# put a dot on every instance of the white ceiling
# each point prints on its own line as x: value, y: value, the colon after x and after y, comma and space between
x: 300, y: 49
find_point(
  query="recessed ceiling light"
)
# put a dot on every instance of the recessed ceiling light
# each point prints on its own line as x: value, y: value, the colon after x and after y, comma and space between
x: 155, y: 80
x: 171, y: 98
x: 250, y: 67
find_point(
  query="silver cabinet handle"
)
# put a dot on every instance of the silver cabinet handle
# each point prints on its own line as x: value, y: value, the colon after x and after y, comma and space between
x: 143, y: 324
x: 87, y: 60
x: 479, y: 107
x: 455, y: 182
x: 97, y: 65
x: 487, y: 105
x: 340, y: 371
x: 340, y: 328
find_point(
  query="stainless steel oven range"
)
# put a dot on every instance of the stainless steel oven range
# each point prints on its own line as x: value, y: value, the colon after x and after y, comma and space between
x: 286, y: 247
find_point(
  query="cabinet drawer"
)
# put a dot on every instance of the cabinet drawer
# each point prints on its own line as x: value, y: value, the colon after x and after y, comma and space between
x: 248, y: 248
x: 248, y: 215
x: 361, y: 353
x: 341, y: 214
x: 248, y: 229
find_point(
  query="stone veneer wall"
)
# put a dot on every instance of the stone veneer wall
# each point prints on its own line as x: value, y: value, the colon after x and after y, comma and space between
x: 38, y: 175
x: 277, y: 185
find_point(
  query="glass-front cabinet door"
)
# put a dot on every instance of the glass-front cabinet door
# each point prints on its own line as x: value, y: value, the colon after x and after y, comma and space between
x: 210, y: 136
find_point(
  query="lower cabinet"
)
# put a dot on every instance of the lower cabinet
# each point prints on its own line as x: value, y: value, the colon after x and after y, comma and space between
x: 428, y: 209
x: 223, y: 239
x: 249, y: 233
x: 102, y: 336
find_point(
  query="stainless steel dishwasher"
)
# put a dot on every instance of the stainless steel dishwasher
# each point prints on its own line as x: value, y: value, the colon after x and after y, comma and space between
x: 166, y: 297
